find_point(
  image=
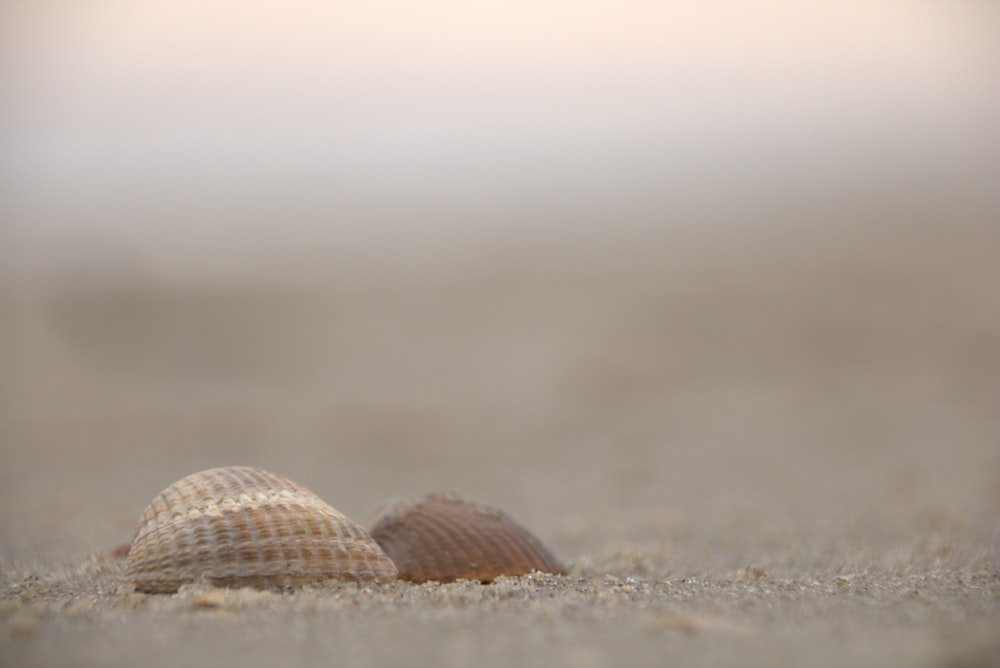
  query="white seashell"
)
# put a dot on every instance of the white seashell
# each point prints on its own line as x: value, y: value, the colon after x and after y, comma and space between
x: 244, y: 527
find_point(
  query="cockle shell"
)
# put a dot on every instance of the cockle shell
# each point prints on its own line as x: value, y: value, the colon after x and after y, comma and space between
x: 239, y: 526
x: 444, y: 538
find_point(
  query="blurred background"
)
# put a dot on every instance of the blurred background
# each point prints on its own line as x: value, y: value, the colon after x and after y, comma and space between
x: 717, y: 280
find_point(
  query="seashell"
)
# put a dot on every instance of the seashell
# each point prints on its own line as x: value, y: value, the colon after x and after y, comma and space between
x: 444, y: 538
x: 245, y: 527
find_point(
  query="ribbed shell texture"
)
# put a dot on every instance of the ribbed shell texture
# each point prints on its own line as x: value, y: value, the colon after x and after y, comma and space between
x: 244, y: 527
x: 440, y: 537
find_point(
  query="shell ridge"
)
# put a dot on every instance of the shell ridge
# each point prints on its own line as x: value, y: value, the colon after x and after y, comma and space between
x: 519, y: 542
x: 295, y: 561
x: 252, y: 527
x: 497, y: 552
x: 225, y: 557
x: 344, y: 536
x: 494, y: 546
x: 468, y: 555
x: 373, y: 559
x: 245, y: 526
x: 438, y: 547
x: 246, y: 480
x: 553, y: 564
x: 368, y: 557
x: 538, y: 552
x: 442, y: 537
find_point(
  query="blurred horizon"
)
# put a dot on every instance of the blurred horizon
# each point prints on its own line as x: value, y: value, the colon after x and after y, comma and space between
x: 233, y: 130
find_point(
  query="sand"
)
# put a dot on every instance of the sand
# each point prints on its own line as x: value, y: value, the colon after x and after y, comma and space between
x: 751, y: 449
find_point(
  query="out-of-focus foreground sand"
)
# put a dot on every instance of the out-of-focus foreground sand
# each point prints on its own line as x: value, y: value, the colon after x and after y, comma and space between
x: 755, y: 445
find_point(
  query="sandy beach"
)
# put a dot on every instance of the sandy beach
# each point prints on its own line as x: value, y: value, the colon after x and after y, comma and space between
x: 784, y: 452
x: 705, y: 297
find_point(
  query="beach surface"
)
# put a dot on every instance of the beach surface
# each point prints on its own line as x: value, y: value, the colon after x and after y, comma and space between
x: 705, y: 297
x: 759, y: 446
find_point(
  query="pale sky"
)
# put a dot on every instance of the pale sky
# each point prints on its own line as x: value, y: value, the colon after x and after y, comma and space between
x: 361, y: 111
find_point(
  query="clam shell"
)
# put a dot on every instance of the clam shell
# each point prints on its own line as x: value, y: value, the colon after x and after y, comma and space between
x: 245, y: 527
x: 445, y: 538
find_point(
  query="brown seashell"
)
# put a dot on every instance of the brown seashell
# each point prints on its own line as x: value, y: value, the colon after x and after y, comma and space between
x: 444, y: 538
x: 244, y: 527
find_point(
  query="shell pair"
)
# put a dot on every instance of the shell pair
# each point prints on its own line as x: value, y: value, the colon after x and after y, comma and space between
x: 244, y: 527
